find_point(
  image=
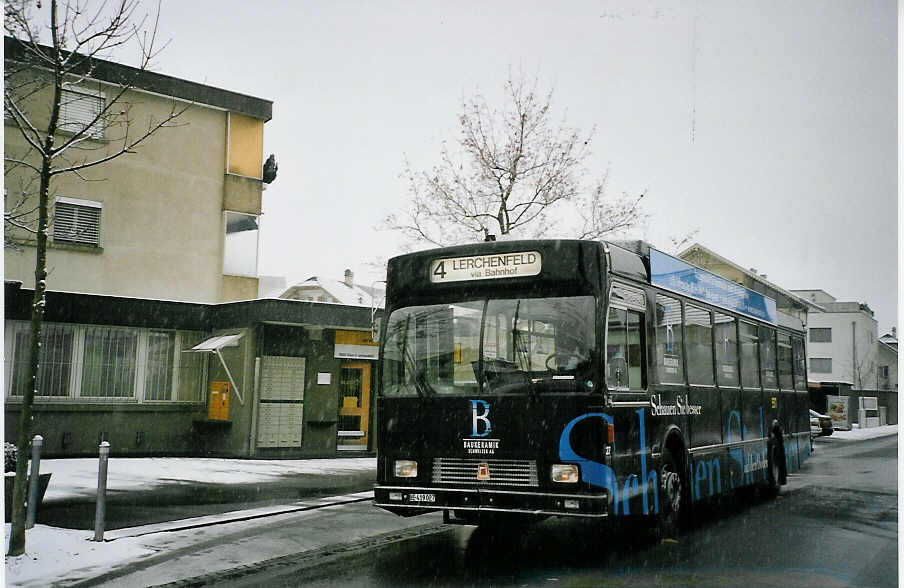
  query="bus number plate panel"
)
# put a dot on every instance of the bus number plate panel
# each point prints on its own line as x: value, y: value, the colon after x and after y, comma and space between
x: 422, y: 498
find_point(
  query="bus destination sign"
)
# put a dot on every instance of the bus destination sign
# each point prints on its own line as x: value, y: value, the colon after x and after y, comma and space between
x: 486, y: 267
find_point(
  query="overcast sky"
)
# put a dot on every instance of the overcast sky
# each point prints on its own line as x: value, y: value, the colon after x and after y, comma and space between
x: 769, y: 126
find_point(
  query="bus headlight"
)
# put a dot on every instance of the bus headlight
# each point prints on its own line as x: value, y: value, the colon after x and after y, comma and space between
x: 405, y: 468
x: 565, y: 473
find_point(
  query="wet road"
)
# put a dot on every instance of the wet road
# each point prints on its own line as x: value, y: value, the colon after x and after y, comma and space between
x: 835, y: 524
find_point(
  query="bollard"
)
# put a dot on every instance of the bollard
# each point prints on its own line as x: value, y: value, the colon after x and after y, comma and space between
x: 33, y: 481
x: 100, y: 512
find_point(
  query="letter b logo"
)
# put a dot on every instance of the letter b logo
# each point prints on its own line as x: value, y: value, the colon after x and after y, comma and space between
x: 482, y: 416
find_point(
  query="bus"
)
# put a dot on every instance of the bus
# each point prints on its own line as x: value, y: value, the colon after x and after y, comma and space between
x: 534, y: 378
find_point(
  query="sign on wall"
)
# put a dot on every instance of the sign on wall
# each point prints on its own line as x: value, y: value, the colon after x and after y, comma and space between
x: 355, y: 345
x: 280, y: 411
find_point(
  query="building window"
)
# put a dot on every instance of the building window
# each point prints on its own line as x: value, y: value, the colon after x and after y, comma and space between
x: 190, y: 369
x: 76, y: 221
x: 55, y: 368
x: 241, y: 244
x: 109, y: 365
x: 158, y: 381
x: 106, y: 363
x: 81, y: 112
x: 821, y: 335
x: 821, y: 365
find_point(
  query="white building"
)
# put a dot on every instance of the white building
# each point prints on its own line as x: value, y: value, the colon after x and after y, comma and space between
x: 842, y: 345
x: 346, y: 291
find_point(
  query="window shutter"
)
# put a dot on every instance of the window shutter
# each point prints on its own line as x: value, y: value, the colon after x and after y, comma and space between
x: 73, y: 223
x: 78, y: 109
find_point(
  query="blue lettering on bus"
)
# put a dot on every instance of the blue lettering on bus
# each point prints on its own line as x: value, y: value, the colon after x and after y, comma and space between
x: 601, y: 475
x: 475, y: 418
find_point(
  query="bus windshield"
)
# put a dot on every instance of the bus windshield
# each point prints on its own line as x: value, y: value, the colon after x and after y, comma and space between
x: 493, y: 346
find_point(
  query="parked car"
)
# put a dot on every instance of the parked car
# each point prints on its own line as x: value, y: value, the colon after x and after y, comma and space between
x: 820, y: 424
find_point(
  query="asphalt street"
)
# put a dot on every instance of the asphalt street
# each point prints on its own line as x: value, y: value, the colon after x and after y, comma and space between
x: 835, y: 524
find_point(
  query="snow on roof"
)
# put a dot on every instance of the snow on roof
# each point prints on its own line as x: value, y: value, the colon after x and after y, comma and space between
x: 354, y: 295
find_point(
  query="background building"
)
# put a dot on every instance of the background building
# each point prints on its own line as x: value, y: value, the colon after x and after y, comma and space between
x: 346, y: 291
x: 842, y: 341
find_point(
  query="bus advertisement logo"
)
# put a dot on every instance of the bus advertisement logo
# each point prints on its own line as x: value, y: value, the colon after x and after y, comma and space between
x: 483, y: 417
x: 479, y: 443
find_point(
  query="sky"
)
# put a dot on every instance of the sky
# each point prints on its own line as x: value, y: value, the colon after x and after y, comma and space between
x: 769, y: 127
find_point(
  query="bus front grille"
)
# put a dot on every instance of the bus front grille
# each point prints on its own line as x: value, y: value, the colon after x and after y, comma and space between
x: 494, y: 472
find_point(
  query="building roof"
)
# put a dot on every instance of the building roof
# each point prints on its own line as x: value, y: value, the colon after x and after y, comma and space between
x: 354, y: 295
x: 119, y: 74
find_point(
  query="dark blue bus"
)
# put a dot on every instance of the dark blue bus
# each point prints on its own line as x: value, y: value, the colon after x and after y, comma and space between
x: 580, y: 378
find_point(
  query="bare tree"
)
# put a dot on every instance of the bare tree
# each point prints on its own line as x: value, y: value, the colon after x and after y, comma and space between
x: 515, y: 172
x: 46, y: 144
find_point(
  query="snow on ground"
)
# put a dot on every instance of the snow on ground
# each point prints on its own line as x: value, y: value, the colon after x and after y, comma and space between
x: 78, y: 477
x: 53, y: 554
x: 857, y: 433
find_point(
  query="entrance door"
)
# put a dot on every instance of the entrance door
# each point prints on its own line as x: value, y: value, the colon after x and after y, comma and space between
x: 354, y: 405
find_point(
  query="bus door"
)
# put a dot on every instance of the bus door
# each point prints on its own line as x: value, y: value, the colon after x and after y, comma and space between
x: 354, y: 405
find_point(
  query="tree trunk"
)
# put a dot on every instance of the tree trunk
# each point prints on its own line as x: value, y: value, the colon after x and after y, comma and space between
x: 17, y: 528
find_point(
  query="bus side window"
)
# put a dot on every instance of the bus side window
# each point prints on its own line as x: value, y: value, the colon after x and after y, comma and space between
x: 750, y: 363
x: 668, y: 340
x: 785, y: 380
x: 636, y: 372
x: 698, y: 332
x: 726, y: 342
x: 624, y: 350
x: 800, y: 364
x: 617, y: 349
x: 767, y: 357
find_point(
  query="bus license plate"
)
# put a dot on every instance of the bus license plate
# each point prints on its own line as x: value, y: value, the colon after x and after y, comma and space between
x: 422, y: 498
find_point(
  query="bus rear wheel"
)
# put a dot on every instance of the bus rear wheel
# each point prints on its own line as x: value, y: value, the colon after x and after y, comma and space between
x: 673, y: 498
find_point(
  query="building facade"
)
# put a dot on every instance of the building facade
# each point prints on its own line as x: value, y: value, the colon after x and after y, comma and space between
x: 841, y: 341
x: 177, y: 220
x: 153, y: 339
x: 259, y: 378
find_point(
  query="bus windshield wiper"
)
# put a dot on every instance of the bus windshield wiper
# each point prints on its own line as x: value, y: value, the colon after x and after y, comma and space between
x: 521, y: 351
x: 421, y: 385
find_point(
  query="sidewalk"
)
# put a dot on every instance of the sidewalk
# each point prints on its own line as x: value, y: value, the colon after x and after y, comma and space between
x: 153, y: 497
